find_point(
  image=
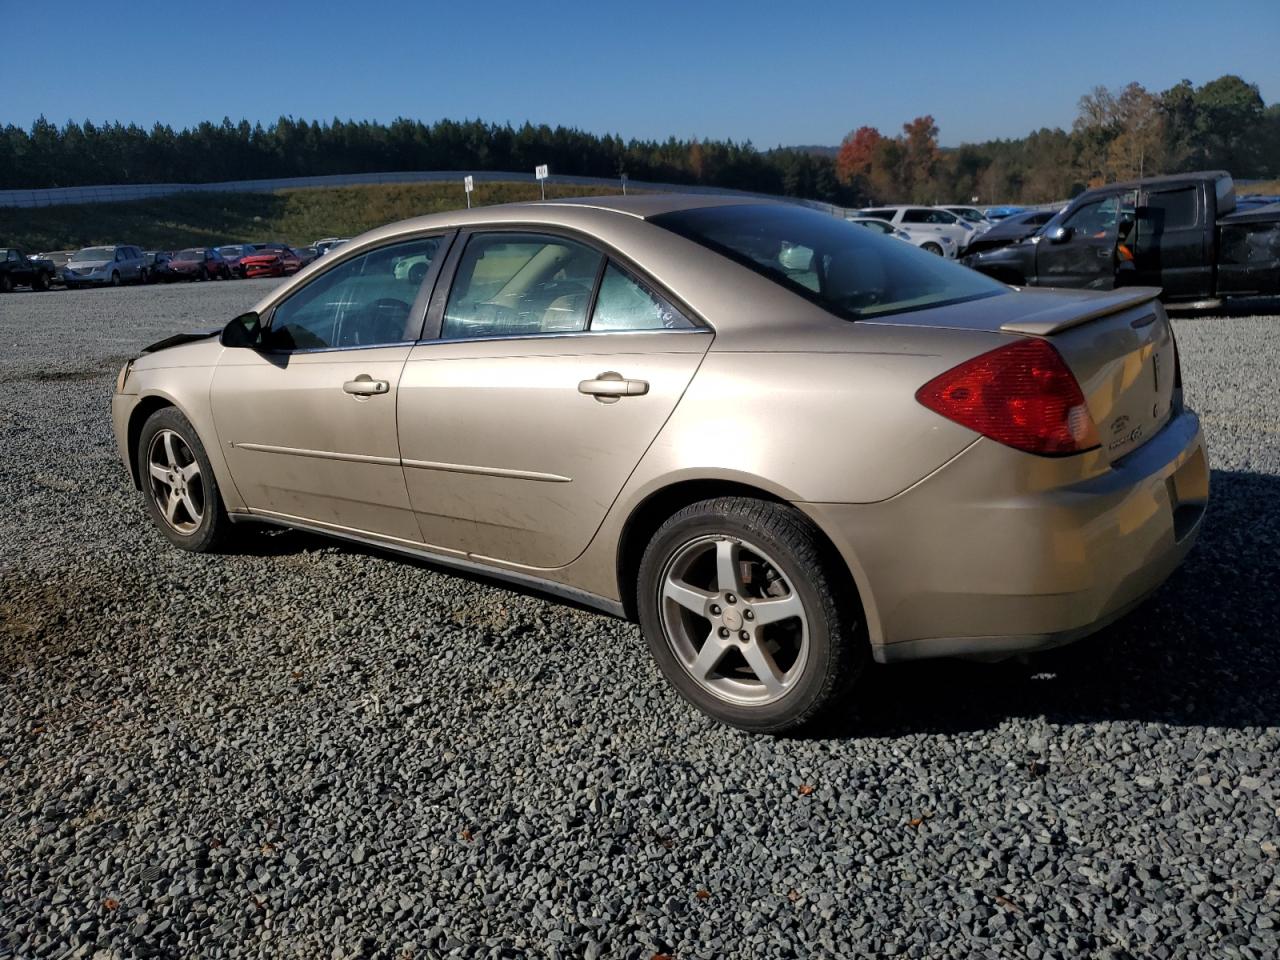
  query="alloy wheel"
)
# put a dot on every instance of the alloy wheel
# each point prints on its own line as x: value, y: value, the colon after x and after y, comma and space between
x: 733, y: 620
x: 176, y: 484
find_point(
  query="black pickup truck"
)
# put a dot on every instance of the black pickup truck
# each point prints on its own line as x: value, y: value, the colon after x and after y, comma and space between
x: 17, y: 271
x: 1180, y: 232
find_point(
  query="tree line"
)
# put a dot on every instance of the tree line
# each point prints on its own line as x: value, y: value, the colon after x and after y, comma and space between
x: 1223, y: 123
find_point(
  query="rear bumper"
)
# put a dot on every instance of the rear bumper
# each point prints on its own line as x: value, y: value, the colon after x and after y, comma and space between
x: 998, y: 552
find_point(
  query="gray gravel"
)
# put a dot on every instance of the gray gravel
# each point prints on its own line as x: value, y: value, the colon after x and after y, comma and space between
x: 307, y: 750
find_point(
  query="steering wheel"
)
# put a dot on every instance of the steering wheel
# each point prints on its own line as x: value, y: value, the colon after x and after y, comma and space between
x: 382, y: 322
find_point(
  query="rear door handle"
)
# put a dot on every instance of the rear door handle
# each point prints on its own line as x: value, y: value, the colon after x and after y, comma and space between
x: 611, y: 386
x: 366, y: 386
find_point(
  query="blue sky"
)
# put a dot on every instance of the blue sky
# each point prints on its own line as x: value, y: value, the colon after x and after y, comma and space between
x: 773, y: 73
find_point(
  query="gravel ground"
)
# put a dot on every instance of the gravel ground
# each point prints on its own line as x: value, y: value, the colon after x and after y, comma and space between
x: 307, y: 750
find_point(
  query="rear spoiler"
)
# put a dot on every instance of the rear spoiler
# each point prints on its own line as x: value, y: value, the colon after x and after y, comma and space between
x: 1064, y: 316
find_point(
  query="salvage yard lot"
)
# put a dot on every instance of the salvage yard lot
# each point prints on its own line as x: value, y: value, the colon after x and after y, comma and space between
x: 304, y: 749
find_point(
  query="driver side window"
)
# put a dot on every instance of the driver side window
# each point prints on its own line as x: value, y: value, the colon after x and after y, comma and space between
x: 366, y: 301
x: 1094, y: 219
x: 514, y: 284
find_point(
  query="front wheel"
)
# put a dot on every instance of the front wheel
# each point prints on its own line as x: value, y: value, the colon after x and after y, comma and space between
x: 178, y: 484
x: 6, y: 283
x: 932, y: 248
x: 741, y: 610
x: 115, y: 278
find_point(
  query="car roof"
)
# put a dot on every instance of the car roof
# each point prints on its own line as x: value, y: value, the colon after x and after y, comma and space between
x: 1168, y: 179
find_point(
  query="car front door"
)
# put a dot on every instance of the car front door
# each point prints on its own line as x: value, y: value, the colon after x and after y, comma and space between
x: 308, y: 421
x: 551, y: 369
x: 1083, y: 254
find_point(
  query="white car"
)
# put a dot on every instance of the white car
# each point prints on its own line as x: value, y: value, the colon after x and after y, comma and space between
x: 927, y: 224
x: 972, y: 215
x: 935, y: 244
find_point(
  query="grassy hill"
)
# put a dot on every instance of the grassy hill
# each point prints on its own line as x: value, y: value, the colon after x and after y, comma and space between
x: 294, y: 216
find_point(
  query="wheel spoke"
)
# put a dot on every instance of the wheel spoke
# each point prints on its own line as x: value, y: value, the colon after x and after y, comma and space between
x: 687, y: 596
x: 160, y: 472
x: 771, y: 611
x: 761, y: 663
x: 171, y: 506
x: 709, y: 657
x: 171, y: 455
x: 192, y: 469
x: 728, y: 575
x: 190, y: 506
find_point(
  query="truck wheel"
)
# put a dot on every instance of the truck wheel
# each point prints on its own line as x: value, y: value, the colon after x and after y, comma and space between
x: 6, y: 283
x: 41, y: 281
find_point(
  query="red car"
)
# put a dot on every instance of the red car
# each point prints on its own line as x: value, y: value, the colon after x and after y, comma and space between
x: 197, y: 263
x: 271, y: 260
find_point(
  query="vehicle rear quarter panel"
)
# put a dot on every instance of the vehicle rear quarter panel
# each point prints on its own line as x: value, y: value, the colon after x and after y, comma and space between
x: 820, y: 425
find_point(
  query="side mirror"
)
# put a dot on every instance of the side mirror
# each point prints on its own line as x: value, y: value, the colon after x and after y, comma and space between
x: 244, y: 331
x: 1059, y: 234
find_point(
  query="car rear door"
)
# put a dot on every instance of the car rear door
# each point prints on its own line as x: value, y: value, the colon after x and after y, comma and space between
x: 308, y: 422
x: 550, y: 370
x: 1172, y: 247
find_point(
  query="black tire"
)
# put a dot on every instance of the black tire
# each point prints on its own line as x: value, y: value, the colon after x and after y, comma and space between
x: 202, y: 275
x: 115, y: 278
x: 838, y: 652
x: 214, y: 528
x: 41, y: 282
x: 931, y: 248
x: 6, y: 283
x: 142, y: 277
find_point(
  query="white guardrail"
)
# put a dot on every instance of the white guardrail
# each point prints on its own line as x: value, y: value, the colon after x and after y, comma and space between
x: 58, y: 196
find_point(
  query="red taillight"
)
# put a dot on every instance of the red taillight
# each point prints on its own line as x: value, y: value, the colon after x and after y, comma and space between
x: 1022, y: 395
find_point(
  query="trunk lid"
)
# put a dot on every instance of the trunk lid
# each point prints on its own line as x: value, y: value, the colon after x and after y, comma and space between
x: 1118, y: 344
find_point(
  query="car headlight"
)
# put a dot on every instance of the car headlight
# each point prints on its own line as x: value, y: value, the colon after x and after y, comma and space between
x: 123, y: 376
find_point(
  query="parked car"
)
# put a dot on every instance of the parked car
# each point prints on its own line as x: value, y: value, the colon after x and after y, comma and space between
x: 19, y: 270
x: 934, y: 244
x: 999, y: 213
x: 1179, y: 232
x: 927, y: 224
x: 58, y: 258
x: 782, y: 471
x: 307, y: 255
x: 271, y: 260
x: 158, y: 266
x: 111, y: 265
x: 199, y: 263
x: 328, y: 244
x: 1011, y: 229
x: 972, y: 215
x: 234, y: 254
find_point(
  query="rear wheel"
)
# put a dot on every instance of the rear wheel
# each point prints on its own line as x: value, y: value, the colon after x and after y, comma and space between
x: 41, y: 281
x: 742, y: 614
x: 6, y: 283
x: 203, y: 274
x: 932, y: 248
x: 178, y: 484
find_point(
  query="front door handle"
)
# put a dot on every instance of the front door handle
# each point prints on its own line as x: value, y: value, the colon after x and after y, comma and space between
x: 366, y: 386
x: 611, y: 386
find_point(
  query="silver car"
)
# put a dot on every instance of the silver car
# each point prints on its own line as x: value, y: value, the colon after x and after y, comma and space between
x: 105, y: 266
x: 783, y: 444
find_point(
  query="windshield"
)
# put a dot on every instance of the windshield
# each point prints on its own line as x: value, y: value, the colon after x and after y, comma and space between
x: 190, y: 254
x: 231, y: 251
x: 973, y: 216
x: 93, y: 253
x: 850, y: 271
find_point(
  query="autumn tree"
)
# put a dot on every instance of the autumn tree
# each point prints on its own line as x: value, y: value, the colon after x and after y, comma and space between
x: 920, y: 158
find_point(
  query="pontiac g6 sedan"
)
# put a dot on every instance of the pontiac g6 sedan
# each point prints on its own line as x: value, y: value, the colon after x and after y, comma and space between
x: 785, y: 445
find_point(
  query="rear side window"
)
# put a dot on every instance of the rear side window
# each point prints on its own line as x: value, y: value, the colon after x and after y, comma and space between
x: 1173, y: 209
x: 918, y: 216
x: 514, y: 284
x: 849, y: 271
x: 879, y: 214
x: 625, y: 304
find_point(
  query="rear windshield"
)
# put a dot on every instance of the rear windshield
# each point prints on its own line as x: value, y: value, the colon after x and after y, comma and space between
x: 850, y: 271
